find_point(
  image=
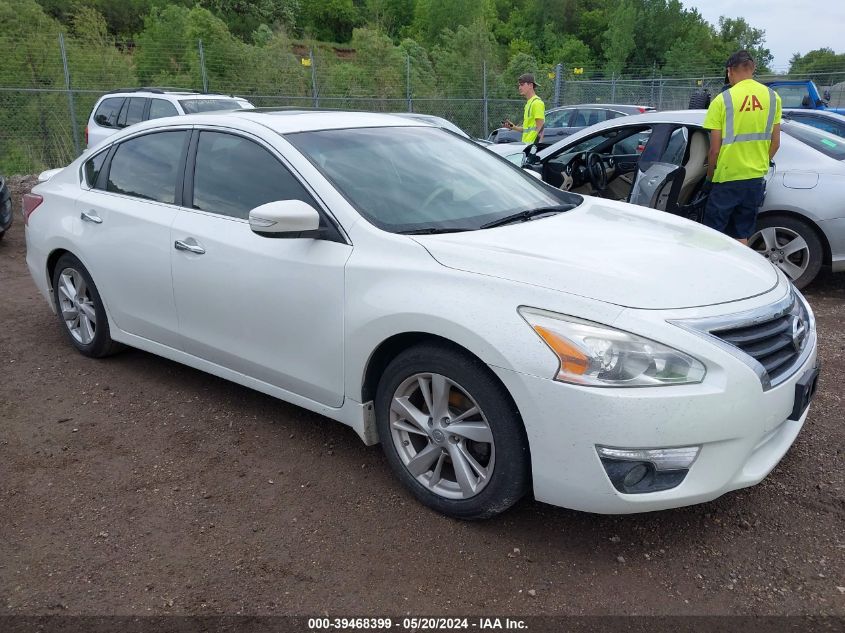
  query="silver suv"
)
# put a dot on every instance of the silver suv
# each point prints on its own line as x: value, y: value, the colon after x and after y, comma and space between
x: 121, y: 108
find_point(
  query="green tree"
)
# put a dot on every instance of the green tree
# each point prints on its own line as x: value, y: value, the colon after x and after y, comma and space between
x: 736, y: 33
x: 821, y: 60
x: 619, y: 38
x: 391, y: 16
x: 434, y: 18
x: 330, y: 20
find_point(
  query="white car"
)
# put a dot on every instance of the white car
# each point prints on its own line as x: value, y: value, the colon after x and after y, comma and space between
x: 659, y: 160
x: 495, y: 334
x: 122, y: 108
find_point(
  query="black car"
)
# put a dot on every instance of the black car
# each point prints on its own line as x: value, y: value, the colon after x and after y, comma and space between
x: 561, y: 122
x: 5, y: 207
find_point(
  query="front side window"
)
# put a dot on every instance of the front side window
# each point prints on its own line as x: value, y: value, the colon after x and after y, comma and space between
x: 160, y: 108
x: 107, y: 112
x: 147, y: 166
x: 233, y: 175
x: 405, y: 179
x: 558, y: 119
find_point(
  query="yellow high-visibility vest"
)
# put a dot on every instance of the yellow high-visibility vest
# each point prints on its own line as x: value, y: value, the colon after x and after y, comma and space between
x: 745, y: 114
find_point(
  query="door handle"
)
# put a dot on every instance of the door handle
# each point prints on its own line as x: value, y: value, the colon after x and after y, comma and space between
x: 90, y: 216
x: 189, y: 245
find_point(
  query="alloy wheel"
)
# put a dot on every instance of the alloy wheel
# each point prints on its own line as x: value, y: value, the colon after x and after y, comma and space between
x: 76, y: 306
x: 785, y: 248
x: 442, y: 436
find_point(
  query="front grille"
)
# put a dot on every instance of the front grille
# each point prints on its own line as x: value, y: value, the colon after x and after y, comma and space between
x: 770, y: 343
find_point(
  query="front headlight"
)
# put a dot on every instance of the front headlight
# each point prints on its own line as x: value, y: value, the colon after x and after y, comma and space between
x: 600, y: 356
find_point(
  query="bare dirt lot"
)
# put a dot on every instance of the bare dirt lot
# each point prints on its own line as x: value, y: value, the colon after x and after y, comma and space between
x: 134, y: 485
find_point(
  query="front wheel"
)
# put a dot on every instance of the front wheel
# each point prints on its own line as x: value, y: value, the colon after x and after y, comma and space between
x: 451, y: 434
x: 790, y: 244
x: 80, y: 309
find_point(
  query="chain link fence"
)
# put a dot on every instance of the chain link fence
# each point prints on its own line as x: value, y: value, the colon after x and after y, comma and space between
x: 50, y: 87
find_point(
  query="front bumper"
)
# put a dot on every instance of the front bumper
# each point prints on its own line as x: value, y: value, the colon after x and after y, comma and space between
x: 743, y: 432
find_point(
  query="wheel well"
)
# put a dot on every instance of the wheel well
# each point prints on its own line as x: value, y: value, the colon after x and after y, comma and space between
x: 826, y: 258
x: 51, y: 264
x: 390, y: 348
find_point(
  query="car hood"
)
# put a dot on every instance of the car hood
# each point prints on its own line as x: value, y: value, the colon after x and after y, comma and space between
x: 613, y: 252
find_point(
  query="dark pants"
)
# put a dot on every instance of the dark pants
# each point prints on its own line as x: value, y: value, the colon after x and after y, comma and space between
x: 732, y: 206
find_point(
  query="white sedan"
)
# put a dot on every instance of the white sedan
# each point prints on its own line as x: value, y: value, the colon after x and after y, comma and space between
x: 495, y: 334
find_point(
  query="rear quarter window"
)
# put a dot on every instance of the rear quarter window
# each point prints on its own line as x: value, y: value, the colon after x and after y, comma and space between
x: 107, y: 111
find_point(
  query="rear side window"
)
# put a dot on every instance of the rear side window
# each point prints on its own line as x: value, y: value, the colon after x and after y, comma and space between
x: 107, y: 111
x: 147, y: 166
x: 93, y: 167
x: 160, y: 108
x: 233, y: 175
x: 132, y: 113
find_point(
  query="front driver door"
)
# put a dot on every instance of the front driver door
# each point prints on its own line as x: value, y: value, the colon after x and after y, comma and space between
x: 269, y: 308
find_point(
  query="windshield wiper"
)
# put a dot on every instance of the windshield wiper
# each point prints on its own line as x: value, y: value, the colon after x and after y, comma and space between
x: 524, y: 216
x: 431, y: 230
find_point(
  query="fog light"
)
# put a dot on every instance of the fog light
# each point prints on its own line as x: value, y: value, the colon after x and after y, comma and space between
x: 640, y: 470
x: 635, y: 475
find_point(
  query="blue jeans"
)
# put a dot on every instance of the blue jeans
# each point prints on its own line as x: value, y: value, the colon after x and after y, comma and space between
x: 732, y: 206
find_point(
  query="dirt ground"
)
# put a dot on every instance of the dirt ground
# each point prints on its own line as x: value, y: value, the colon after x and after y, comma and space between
x: 135, y: 486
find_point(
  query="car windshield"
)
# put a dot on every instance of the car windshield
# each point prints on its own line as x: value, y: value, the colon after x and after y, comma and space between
x: 827, y: 144
x: 405, y: 179
x: 192, y: 106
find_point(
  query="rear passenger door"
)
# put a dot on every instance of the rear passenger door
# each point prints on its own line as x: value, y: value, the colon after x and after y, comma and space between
x: 268, y: 308
x: 123, y: 223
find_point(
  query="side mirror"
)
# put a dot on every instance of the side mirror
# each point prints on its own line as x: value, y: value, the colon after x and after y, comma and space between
x: 819, y: 103
x: 284, y: 218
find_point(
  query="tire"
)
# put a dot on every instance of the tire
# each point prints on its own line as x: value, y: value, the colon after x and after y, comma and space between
x: 699, y: 100
x: 80, y: 309
x: 776, y: 239
x: 412, y: 438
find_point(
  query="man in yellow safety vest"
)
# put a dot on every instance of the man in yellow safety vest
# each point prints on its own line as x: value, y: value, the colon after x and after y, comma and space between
x: 744, y: 123
x: 534, y: 115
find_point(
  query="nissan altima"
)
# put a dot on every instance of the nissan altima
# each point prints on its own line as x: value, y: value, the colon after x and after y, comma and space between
x: 497, y: 336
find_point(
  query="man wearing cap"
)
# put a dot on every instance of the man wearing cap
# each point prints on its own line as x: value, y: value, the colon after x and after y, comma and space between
x: 534, y: 115
x: 744, y: 123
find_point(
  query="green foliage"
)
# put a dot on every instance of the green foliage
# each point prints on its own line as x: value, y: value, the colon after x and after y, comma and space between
x: 244, y: 17
x: 736, y: 33
x: 822, y: 60
x: 460, y: 58
x: 330, y: 20
x: 619, y: 41
x: 390, y: 16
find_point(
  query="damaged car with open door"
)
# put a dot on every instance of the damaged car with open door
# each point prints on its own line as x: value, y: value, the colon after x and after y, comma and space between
x: 659, y: 160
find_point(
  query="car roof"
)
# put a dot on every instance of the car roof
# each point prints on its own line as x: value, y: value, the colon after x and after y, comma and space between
x: 607, y: 106
x: 162, y: 92
x: 287, y: 121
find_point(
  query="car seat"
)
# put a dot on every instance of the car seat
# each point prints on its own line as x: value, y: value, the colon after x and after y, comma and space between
x: 695, y: 165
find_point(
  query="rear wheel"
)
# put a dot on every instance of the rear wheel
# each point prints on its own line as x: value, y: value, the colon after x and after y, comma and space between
x: 451, y: 434
x: 790, y: 244
x: 80, y: 309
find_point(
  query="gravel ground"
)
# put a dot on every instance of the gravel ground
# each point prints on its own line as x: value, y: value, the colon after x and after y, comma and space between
x: 134, y: 486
